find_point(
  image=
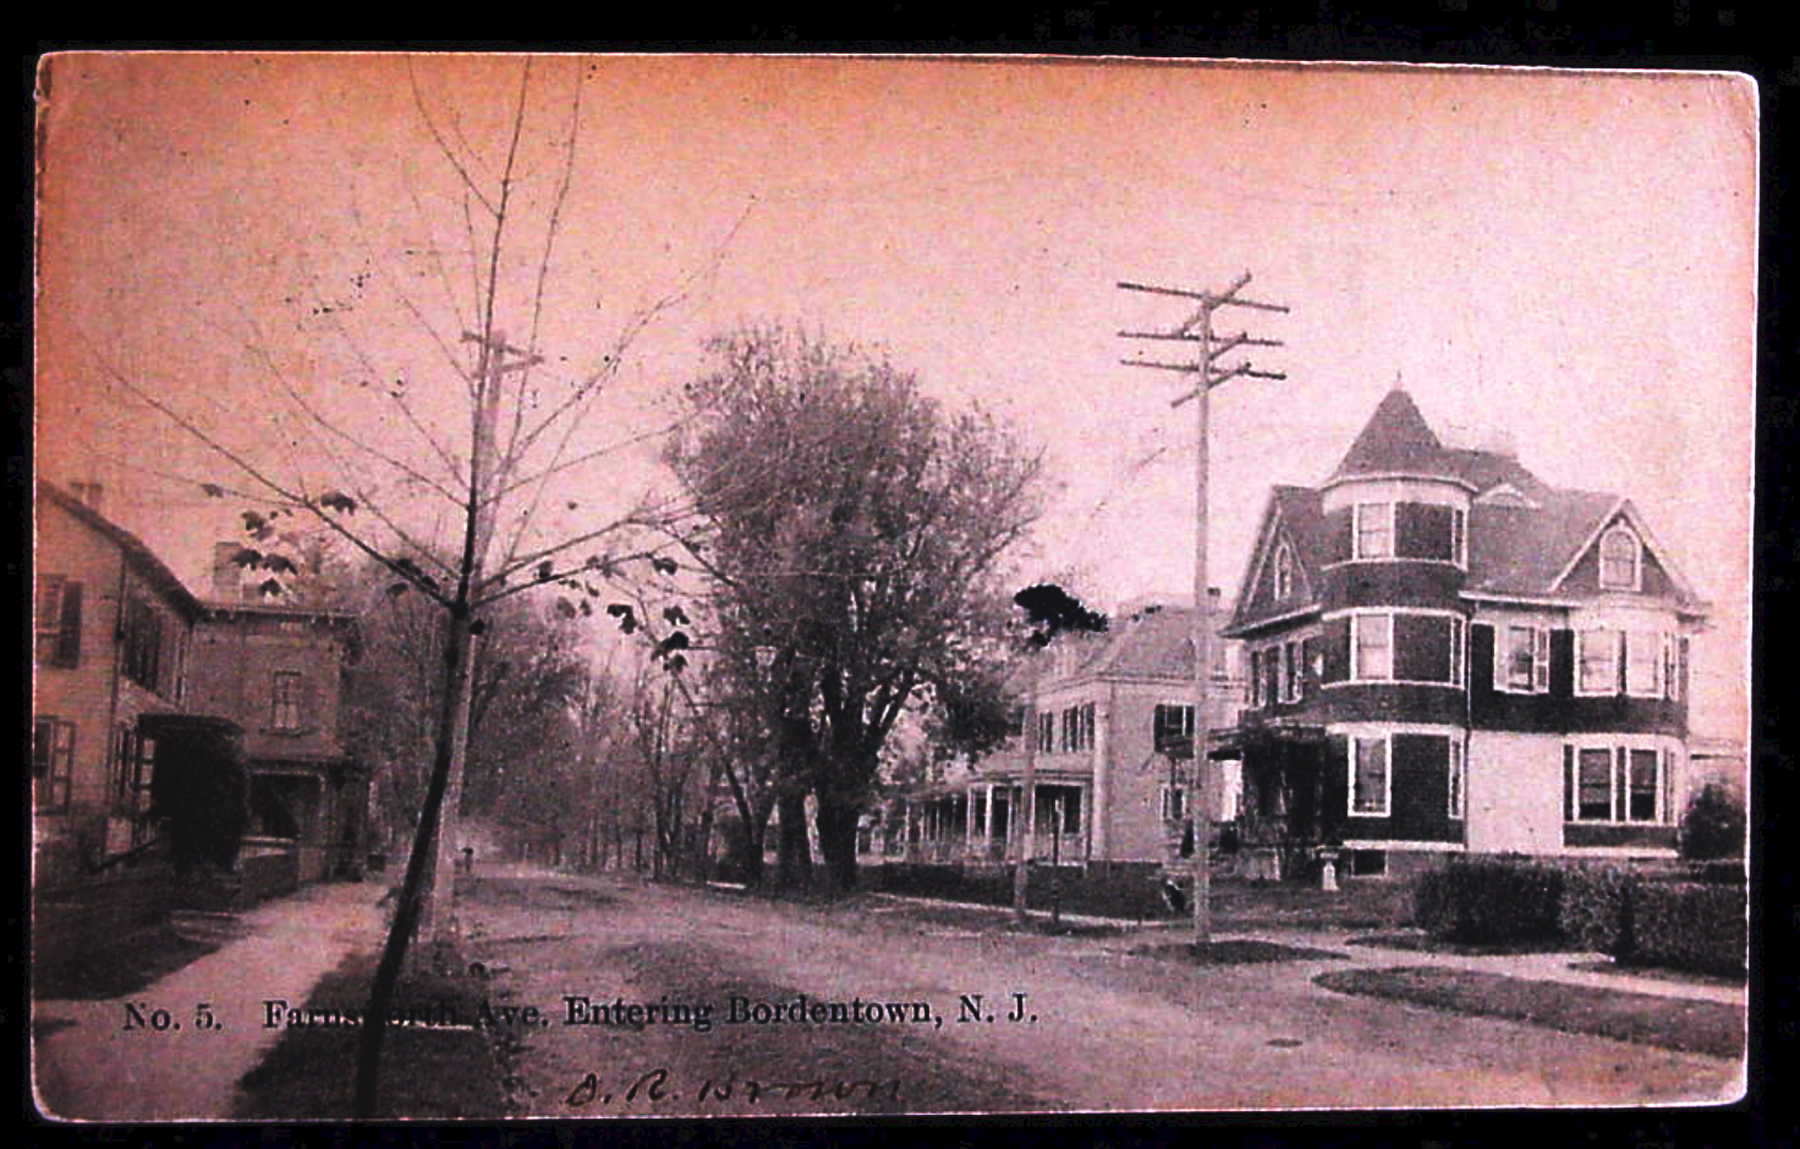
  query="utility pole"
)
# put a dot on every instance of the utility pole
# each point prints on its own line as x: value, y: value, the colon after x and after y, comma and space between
x: 1210, y: 349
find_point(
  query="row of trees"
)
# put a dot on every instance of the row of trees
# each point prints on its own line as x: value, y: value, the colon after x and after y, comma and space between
x: 830, y: 560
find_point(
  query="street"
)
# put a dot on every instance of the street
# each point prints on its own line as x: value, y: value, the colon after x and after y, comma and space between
x: 747, y: 1006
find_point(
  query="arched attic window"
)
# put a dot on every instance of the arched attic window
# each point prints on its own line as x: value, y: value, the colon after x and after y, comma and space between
x: 1284, y: 573
x: 1621, y: 559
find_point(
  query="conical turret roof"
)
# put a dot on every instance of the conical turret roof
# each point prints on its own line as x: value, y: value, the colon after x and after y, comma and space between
x: 1396, y: 440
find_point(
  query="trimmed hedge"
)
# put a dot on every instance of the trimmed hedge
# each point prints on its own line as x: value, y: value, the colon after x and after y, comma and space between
x: 1688, y: 925
x: 1687, y: 917
x: 1118, y: 889
x: 1491, y: 900
x: 1596, y: 911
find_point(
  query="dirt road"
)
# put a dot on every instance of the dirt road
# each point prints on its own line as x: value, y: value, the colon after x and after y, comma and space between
x: 865, y: 1008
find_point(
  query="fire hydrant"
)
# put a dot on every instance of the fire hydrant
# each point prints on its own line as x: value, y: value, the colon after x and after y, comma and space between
x: 1328, y: 875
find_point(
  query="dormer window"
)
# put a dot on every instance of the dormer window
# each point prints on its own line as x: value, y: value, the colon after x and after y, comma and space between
x: 1284, y: 573
x: 1621, y: 559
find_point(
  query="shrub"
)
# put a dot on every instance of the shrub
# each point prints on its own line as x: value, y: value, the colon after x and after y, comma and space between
x: 1596, y: 911
x: 1491, y: 900
x: 1713, y: 826
x: 1689, y: 925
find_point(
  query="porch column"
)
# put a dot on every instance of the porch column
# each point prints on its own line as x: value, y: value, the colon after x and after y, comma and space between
x: 1098, y: 808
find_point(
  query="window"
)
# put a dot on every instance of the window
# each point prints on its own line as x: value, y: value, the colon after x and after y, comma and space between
x: 1458, y: 641
x: 1290, y: 671
x: 1456, y: 779
x: 284, y: 705
x: 58, y: 628
x: 1620, y: 555
x: 1597, y: 662
x: 1459, y: 537
x: 1078, y: 727
x: 1271, y: 667
x: 1172, y: 728
x: 1369, y: 776
x: 1174, y: 803
x: 1525, y: 666
x: 1372, y: 646
x: 1644, y: 663
x: 144, y: 642
x: 1046, y: 733
x: 1593, y: 793
x: 1623, y: 784
x: 52, y: 763
x: 1674, y: 656
x: 1284, y: 573
x: 1643, y: 788
x: 1253, y: 684
x: 1374, y: 534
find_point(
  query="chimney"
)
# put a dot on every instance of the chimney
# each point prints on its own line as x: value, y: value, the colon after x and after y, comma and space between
x: 89, y: 492
x: 227, y: 576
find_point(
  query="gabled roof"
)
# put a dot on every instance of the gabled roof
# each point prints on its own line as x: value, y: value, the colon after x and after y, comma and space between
x: 142, y: 559
x: 1516, y: 548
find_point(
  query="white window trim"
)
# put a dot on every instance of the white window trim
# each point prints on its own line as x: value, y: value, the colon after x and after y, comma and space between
x: 1540, y: 658
x: 1457, y: 801
x: 1459, y: 537
x: 1459, y: 639
x: 1613, y: 744
x: 1386, y: 738
x: 1612, y: 689
x: 1284, y: 572
x: 1356, y: 626
x: 1658, y: 641
x: 1637, y: 558
x: 1356, y: 521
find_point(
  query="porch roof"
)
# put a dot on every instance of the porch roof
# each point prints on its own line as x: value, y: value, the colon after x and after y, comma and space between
x: 1231, y: 742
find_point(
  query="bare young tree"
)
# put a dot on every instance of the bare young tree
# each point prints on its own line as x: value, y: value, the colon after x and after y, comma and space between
x: 488, y: 479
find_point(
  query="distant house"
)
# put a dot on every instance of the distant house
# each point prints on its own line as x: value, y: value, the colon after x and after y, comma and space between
x: 1114, y: 723
x: 124, y: 651
x: 1446, y: 654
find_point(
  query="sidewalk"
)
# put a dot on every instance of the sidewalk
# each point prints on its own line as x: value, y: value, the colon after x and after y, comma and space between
x: 1558, y: 967
x: 96, y: 1069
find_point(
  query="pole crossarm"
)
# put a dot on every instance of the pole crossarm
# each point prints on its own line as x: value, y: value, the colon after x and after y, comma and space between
x: 1211, y: 299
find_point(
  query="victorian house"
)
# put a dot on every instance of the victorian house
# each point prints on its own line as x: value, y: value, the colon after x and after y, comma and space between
x: 1446, y: 655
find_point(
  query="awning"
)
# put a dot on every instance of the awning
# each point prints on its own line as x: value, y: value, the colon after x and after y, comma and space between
x: 1233, y: 741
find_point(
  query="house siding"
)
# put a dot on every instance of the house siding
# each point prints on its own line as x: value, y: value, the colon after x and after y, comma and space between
x: 1420, y: 583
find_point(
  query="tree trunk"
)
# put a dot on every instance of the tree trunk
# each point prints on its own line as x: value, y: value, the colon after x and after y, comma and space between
x: 418, y: 867
x: 794, y: 847
x: 837, y: 841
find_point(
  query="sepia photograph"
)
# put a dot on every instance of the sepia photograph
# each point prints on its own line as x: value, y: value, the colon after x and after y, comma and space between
x: 704, y: 585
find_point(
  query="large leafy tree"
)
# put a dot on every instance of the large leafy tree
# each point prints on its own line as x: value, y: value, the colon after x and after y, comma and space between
x: 854, y: 529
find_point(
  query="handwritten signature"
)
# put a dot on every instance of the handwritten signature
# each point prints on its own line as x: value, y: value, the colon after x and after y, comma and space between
x: 655, y: 1087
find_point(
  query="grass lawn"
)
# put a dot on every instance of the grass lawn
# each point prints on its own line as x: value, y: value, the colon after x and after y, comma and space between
x: 427, y: 1071
x: 1643, y: 1019
x: 1358, y: 904
x: 1236, y: 951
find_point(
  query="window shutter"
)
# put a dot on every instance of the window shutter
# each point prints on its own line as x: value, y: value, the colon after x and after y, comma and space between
x: 1562, y: 663
x: 1540, y: 663
x: 1568, y: 783
x: 68, y: 634
x: 1481, y: 660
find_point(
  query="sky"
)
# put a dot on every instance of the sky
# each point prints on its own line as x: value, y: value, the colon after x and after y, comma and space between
x: 1564, y: 258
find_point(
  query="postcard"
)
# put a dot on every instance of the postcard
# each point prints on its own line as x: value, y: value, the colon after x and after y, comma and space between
x: 595, y: 586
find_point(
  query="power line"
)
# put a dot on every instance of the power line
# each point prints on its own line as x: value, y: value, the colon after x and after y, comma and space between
x: 1210, y: 348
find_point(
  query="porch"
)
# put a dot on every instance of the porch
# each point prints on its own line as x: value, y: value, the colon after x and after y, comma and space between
x: 974, y: 823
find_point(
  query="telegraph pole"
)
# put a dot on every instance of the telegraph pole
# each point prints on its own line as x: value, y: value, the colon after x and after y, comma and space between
x: 1209, y: 349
